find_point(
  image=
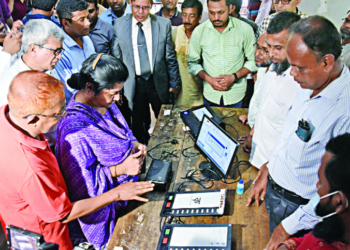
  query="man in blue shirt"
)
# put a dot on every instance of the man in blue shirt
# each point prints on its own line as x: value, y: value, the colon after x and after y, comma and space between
x: 118, y: 8
x: 101, y: 33
x: 170, y: 11
x: 320, y: 111
x: 78, y: 46
x: 42, y: 9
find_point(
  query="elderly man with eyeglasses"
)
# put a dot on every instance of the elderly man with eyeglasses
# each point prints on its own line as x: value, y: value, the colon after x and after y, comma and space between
x: 345, y: 35
x: 281, y: 6
x: 41, y: 47
x: 144, y: 43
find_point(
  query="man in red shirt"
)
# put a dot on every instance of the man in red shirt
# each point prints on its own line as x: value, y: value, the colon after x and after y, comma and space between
x: 332, y: 203
x: 33, y: 192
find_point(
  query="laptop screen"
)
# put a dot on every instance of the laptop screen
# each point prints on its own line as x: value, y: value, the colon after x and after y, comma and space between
x: 217, y: 145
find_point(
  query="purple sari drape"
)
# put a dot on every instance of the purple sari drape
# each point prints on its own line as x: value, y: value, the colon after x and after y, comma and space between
x: 87, y: 144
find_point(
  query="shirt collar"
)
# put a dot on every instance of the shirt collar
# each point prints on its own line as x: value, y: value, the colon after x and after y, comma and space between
x: 97, y: 25
x: 335, y: 88
x: 174, y: 15
x: 229, y: 24
x: 146, y: 23
x: 71, y: 43
x: 20, y: 136
x: 111, y: 13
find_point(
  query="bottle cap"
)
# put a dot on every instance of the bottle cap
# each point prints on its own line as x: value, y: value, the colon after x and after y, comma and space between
x: 241, y: 181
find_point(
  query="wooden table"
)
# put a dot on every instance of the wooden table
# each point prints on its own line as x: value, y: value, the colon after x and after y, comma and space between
x: 139, y: 229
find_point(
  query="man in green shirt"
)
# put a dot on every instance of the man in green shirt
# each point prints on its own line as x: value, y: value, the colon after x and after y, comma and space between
x: 222, y: 54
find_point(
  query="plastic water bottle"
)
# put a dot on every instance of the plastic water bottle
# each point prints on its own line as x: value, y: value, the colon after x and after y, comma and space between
x: 240, y: 187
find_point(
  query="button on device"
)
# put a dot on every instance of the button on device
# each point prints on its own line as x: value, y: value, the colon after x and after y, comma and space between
x: 167, y: 231
x: 168, y: 204
x: 170, y: 197
x: 165, y: 241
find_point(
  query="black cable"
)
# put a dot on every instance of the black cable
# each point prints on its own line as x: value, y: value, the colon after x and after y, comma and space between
x: 226, y: 116
x: 236, y: 168
x: 193, y: 176
x: 189, y: 154
x: 234, y: 129
x: 173, y: 142
x: 169, y: 219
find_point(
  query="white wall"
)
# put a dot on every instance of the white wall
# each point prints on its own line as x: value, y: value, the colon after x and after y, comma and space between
x: 334, y: 10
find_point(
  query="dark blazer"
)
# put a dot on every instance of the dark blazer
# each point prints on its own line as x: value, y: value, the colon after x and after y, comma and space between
x: 165, y: 67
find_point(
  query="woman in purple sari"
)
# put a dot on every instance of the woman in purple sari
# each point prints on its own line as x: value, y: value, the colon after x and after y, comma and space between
x: 95, y: 148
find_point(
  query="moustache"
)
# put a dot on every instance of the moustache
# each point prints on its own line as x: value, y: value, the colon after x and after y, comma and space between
x: 217, y: 21
x: 187, y: 23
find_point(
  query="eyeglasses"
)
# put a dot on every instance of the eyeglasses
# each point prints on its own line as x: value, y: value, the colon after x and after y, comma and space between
x: 59, y: 115
x: 345, y: 20
x: 55, y: 51
x: 138, y: 7
x: 284, y: 2
x: 261, y: 50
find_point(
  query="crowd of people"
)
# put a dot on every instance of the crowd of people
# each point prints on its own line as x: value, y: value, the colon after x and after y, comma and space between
x: 78, y: 80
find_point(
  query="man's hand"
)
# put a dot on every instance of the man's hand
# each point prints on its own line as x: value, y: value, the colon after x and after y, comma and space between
x: 279, y: 235
x: 244, y: 119
x: 258, y: 190
x: 216, y: 85
x: 175, y: 91
x: 282, y: 247
x: 246, y: 142
x: 12, y: 43
x: 16, y: 26
x: 139, y: 147
x: 226, y: 80
x: 132, y: 191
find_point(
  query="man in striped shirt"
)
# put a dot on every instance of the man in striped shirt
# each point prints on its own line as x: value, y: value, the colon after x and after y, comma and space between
x: 281, y: 6
x: 222, y: 54
x: 321, y: 111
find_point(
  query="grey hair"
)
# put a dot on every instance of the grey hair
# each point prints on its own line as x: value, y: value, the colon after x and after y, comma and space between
x: 38, y: 31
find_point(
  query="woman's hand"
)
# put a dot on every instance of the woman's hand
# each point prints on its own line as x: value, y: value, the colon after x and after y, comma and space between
x: 140, y: 147
x: 131, y: 165
x: 132, y: 191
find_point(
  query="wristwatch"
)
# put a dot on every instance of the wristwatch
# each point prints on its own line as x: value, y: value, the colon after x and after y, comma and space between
x: 236, y: 77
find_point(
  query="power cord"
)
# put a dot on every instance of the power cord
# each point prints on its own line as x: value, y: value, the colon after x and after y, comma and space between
x: 189, y: 154
x: 167, y: 153
x: 227, y: 115
x: 169, y: 219
x: 195, y: 176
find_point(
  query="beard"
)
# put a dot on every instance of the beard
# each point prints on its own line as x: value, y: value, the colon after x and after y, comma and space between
x: 344, y: 35
x: 331, y: 229
x: 264, y: 64
x: 279, y: 68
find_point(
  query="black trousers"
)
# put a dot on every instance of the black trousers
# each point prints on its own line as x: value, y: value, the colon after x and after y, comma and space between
x: 277, y: 206
x: 145, y: 95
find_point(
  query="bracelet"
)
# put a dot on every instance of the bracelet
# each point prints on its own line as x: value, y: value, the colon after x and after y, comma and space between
x: 115, y: 170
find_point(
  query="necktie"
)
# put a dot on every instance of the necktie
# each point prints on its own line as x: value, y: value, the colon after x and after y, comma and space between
x: 143, y: 54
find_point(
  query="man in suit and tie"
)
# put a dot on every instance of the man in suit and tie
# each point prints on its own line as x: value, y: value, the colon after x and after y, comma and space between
x: 144, y: 43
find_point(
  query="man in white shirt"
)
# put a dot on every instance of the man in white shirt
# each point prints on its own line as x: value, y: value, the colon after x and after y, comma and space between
x: 345, y: 35
x: 41, y: 47
x: 263, y: 62
x: 320, y: 111
x: 278, y: 90
x: 11, y: 44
